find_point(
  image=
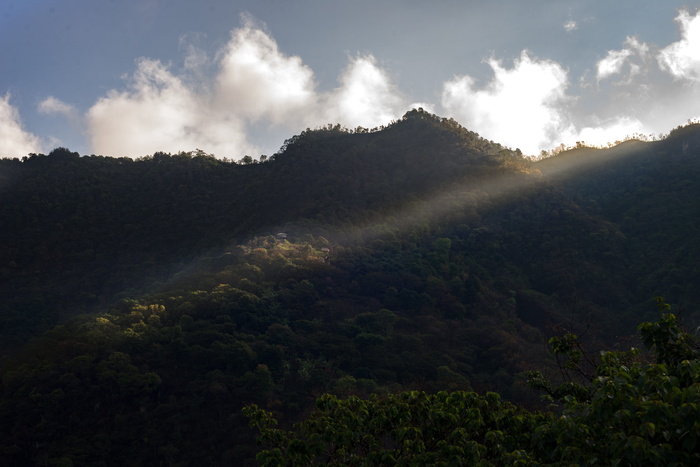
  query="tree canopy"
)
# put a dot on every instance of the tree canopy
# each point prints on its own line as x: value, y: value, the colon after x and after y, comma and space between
x: 637, y: 409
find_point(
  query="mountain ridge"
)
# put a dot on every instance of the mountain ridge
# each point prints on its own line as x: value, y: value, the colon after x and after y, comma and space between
x: 177, y: 288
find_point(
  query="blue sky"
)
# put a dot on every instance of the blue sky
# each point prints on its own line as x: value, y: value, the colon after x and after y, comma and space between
x: 129, y: 78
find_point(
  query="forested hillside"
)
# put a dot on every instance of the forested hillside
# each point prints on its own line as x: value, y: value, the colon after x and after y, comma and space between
x: 144, y: 303
x: 649, y: 190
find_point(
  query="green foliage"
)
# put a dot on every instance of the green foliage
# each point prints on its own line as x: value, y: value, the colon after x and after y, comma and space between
x: 632, y: 412
x: 576, y: 370
x: 271, y: 322
x: 411, y: 428
x: 640, y: 413
x: 666, y: 339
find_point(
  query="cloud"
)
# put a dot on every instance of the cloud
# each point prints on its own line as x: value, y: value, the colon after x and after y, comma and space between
x: 52, y: 105
x: 257, y: 81
x: 366, y: 96
x: 655, y: 88
x: 428, y: 107
x: 570, y: 25
x: 161, y: 113
x: 610, y: 131
x: 615, y: 61
x: 196, y: 60
x: 522, y: 106
x: 250, y: 90
x: 612, y: 63
x: 682, y: 59
x: 14, y: 140
x: 255, y: 87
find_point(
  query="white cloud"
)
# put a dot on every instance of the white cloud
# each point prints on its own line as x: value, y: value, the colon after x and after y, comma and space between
x: 612, y: 63
x: 610, y: 131
x: 645, y: 98
x: 428, y: 107
x: 682, y: 58
x: 196, y: 61
x: 615, y: 61
x: 257, y: 81
x: 255, y: 86
x: 522, y: 106
x: 160, y: 113
x: 366, y: 96
x: 570, y: 25
x: 252, y: 89
x: 52, y: 105
x: 14, y: 140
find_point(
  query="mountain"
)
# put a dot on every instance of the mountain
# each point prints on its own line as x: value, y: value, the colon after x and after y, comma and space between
x: 143, y: 303
x: 650, y: 191
x: 84, y: 230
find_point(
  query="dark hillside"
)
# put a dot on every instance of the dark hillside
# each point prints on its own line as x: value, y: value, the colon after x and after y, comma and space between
x: 335, y: 177
x: 416, y: 256
x: 83, y: 230
x: 651, y: 192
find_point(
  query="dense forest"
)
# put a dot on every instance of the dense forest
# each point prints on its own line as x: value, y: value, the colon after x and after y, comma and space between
x: 144, y: 303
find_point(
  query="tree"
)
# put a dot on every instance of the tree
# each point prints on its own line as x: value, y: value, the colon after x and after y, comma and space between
x: 640, y: 412
x: 634, y: 411
x: 411, y: 428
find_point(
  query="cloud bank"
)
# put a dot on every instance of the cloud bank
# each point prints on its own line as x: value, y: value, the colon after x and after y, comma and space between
x: 653, y: 88
x: 634, y: 56
x: 521, y: 106
x: 14, y: 140
x: 230, y: 103
x: 640, y: 89
x: 255, y: 84
x: 682, y: 59
x: 161, y: 112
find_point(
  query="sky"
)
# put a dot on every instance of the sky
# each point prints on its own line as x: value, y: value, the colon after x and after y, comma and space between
x: 235, y: 78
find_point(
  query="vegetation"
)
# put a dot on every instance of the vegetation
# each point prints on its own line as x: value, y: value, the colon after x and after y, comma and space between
x: 632, y: 412
x: 144, y: 303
